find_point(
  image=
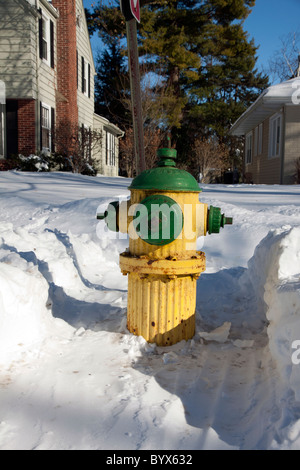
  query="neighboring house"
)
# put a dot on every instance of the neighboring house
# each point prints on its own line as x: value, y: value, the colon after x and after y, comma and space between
x: 271, y: 127
x: 47, y: 66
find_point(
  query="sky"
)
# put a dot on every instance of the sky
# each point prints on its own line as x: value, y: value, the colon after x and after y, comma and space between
x: 269, y: 21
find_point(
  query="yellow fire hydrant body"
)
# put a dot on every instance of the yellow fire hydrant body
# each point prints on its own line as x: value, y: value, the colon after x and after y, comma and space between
x: 164, y: 218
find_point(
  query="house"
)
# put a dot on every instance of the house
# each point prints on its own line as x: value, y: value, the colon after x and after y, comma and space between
x: 47, y: 70
x: 271, y: 128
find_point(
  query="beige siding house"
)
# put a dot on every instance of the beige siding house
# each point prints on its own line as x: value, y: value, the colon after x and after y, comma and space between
x: 271, y: 127
x: 47, y: 71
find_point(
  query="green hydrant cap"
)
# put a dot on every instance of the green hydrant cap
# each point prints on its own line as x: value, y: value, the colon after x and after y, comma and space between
x: 216, y: 220
x: 165, y: 176
x: 158, y: 219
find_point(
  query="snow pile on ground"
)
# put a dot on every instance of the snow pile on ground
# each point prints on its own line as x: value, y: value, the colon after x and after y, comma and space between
x: 275, y: 273
x: 24, y: 295
x: 71, y: 375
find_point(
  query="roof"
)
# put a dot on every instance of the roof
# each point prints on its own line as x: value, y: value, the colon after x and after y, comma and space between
x: 50, y: 7
x: 272, y: 99
x: 105, y: 122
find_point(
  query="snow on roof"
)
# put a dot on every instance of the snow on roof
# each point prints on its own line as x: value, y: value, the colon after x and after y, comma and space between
x: 267, y: 104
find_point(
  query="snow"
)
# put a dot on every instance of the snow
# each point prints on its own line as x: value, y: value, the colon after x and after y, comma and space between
x: 73, y: 377
x: 284, y: 90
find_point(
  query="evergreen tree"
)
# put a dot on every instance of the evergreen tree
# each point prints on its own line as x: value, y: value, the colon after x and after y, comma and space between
x: 204, y: 59
x: 112, y: 85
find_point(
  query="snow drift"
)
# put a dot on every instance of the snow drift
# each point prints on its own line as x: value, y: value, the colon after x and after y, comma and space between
x: 274, y: 272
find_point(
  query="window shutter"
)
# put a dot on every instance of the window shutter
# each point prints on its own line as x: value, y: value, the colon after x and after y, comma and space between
x: 52, y: 130
x: 83, y: 74
x: 89, y: 81
x: 41, y: 34
x: 52, y: 44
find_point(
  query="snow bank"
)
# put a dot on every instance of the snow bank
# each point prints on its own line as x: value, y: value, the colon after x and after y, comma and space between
x: 25, y: 309
x: 25, y: 318
x: 274, y: 272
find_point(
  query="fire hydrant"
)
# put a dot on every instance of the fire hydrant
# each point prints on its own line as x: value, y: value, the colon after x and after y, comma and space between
x: 163, y: 218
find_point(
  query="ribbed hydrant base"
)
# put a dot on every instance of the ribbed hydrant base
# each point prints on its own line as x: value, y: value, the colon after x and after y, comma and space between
x: 160, y: 309
x: 162, y: 297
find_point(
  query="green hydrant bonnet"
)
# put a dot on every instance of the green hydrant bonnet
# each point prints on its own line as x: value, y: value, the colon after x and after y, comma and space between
x: 165, y: 176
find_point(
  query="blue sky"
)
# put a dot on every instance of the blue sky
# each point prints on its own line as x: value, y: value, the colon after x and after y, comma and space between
x: 269, y: 21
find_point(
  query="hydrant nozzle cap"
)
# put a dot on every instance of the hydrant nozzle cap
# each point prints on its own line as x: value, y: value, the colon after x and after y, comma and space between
x: 165, y: 152
x: 216, y: 220
x: 167, y: 157
x: 165, y: 176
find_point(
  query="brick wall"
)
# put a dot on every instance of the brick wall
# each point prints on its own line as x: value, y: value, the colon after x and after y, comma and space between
x: 66, y: 104
x: 26, y: 127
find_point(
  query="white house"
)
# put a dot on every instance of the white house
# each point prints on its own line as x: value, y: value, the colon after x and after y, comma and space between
x: 47, y: 69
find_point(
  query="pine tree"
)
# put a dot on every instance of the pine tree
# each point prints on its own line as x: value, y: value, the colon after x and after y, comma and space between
x: 112, y: 85
x: 204, y: 59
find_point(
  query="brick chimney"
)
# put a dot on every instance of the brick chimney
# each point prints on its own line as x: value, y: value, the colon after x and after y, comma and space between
x: 66, y: 97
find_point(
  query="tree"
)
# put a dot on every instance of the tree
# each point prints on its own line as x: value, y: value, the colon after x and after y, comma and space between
x: 210, y: 159
x: 112, y: 84
x: 285, y: 63
x: 153, y: 139
x: 202, y: 59
x: 75, y: 147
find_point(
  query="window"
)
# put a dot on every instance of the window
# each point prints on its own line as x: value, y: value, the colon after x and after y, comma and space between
x: 110, y: 149
x: 248, y: 149
x: 46, y: 39
x: 258, y: 136
x: 11, y: 125
x: 260, y: 139
x: 45, y: 127
x: 86, y: 77
x: 79, y: 20
x: 275, y: 136
x: 255, y: 142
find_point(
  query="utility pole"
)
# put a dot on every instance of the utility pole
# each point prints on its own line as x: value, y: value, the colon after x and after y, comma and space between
x: 131, y: 11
